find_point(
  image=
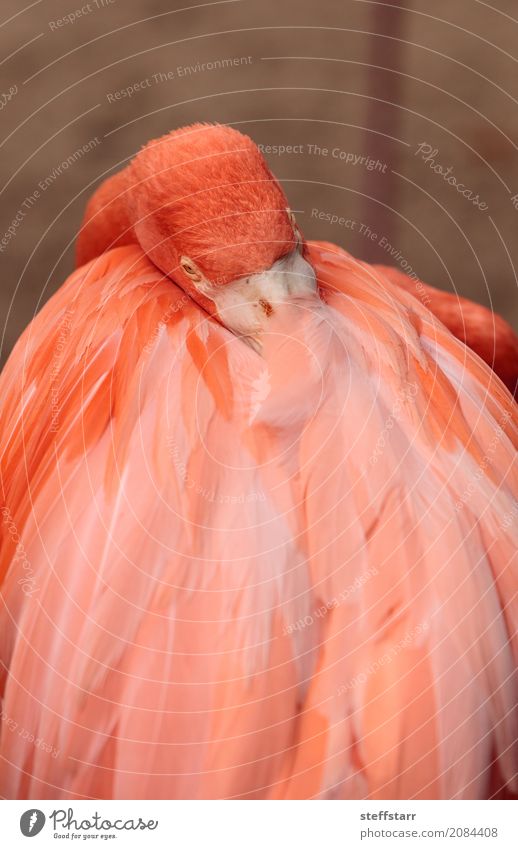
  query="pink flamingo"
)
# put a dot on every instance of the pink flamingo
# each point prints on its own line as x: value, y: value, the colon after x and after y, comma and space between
x: 258, y: 511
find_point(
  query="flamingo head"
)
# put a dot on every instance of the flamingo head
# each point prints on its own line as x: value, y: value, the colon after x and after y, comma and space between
x: 209, y: 213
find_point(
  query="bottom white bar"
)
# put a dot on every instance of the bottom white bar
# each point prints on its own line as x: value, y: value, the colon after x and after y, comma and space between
x: 260, y: 825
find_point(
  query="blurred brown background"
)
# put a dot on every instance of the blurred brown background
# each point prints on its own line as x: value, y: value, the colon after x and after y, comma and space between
x: 406, y: 87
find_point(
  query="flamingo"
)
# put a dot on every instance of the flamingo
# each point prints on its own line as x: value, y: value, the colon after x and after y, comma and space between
x: 259, y: 511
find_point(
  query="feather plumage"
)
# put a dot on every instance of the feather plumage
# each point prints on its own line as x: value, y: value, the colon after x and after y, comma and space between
x: 315, y: 599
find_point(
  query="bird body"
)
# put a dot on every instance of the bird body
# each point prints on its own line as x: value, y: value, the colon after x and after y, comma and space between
x: 261, y: 545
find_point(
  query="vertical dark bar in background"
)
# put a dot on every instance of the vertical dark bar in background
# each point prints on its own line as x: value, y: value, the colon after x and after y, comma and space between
x: 386, y: 50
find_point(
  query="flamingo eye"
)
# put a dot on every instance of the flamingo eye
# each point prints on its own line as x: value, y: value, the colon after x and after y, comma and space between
x: 190, y: 268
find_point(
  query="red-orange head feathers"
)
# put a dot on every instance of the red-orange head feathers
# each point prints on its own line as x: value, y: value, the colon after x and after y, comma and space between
x: 203, y: 192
